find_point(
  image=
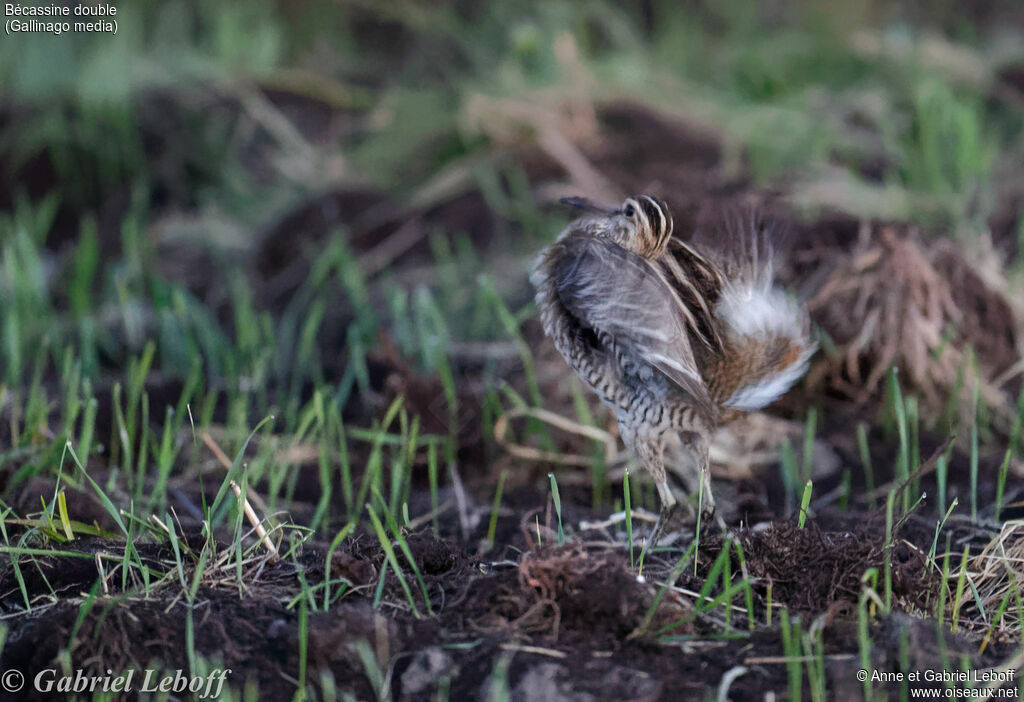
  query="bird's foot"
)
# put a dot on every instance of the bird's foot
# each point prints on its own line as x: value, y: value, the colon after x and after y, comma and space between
x: 708, y: 516
x: 706, y: 503
x: 664, y: 517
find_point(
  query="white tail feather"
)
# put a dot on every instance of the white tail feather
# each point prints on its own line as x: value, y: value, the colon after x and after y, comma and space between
x: 762, y: 312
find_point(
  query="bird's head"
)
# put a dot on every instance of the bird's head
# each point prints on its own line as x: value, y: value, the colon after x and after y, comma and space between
x: 641, y: 224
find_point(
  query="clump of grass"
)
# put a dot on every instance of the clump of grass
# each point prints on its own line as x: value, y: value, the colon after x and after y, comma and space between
x: 706, y: 601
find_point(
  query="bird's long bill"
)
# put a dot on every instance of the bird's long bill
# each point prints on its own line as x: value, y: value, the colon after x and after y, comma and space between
x: 586, y: 205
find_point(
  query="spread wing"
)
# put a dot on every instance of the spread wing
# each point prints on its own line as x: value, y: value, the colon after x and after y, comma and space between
x: 697, y: 283
x: 620, y: 294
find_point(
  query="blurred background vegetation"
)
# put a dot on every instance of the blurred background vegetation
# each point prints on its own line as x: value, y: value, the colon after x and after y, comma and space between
x: 228, y: 184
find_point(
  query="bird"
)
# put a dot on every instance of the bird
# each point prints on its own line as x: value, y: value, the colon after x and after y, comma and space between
x: 676, y: 337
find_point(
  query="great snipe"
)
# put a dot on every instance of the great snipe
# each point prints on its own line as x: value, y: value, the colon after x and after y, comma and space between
x: 676, y: 338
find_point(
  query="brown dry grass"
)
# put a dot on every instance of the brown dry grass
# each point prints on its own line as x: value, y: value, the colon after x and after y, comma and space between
x: 896, y: 299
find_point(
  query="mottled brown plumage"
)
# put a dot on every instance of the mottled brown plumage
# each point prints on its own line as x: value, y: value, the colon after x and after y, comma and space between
x: 674, y: 337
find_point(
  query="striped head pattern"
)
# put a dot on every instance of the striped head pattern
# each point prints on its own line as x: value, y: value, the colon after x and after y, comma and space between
x: 642, y: 224
x: 651, y: 222
x: 648, y: 224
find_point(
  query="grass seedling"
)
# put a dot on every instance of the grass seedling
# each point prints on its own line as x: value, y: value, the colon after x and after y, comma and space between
x: 904, y: 661
x: 190, y: 640
x: 172, y: 537
x: 220, y: 505
x: 510, y: 323
x: 748, y: 592
x: 845, y: 488
x: 432, y: 479
x: 15, y: 560
x: 372, y: 477
x: 499, y: 689
x: 997, y: 620
x: 403, y: 546
x: 1004, y: 469
x: 726, y: 585
x: 961, y: 581
x: 700, y: 518
x: 867, y: 601
x: 558, y: 507
x: 709, y: 604
x: 88, y: 602
x: 790, y: 473
x: 104, y: 500
x: 629, y: 516
x: 199, y: 570
x: 326, y: 427
x: 677, y: 570
x: 492, y: 526
x: 1018, y: 419
x: 142, y: 457
x: 890, y: 506
x: 389, y: 552
x: 335, y: 543
x: 810, y: 427
x: 805, y: 504
x: 791, y: 649
x: 165, y: 454
x: 1015, y: 588
x: 407, y: 458
x: 938, y: 527
x: 378, y: 594
x: 974, y: 453
x: 71, y: 379
x: 941, y: 480
x: 721, y: 570
x: 236, y: 541
x: 371, y: 667
x: 940, y: 605
x: 598, y: 467
x: 899, y: 412
x: 914, y: 430
x: 88, y: 427
x: 814, y: 655
x: 300, y: 692
x: 65, y: 520
x: 979, y: 601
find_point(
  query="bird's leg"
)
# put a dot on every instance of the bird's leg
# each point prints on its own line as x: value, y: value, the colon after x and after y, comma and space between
x: 669, y: 506
x: 690, y: 462
x: 706, y: 499
x: 650, y: 450
x: 652, y: 455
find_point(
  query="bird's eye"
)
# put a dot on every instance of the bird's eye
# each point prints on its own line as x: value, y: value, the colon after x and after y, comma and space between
x: 628, y: 210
